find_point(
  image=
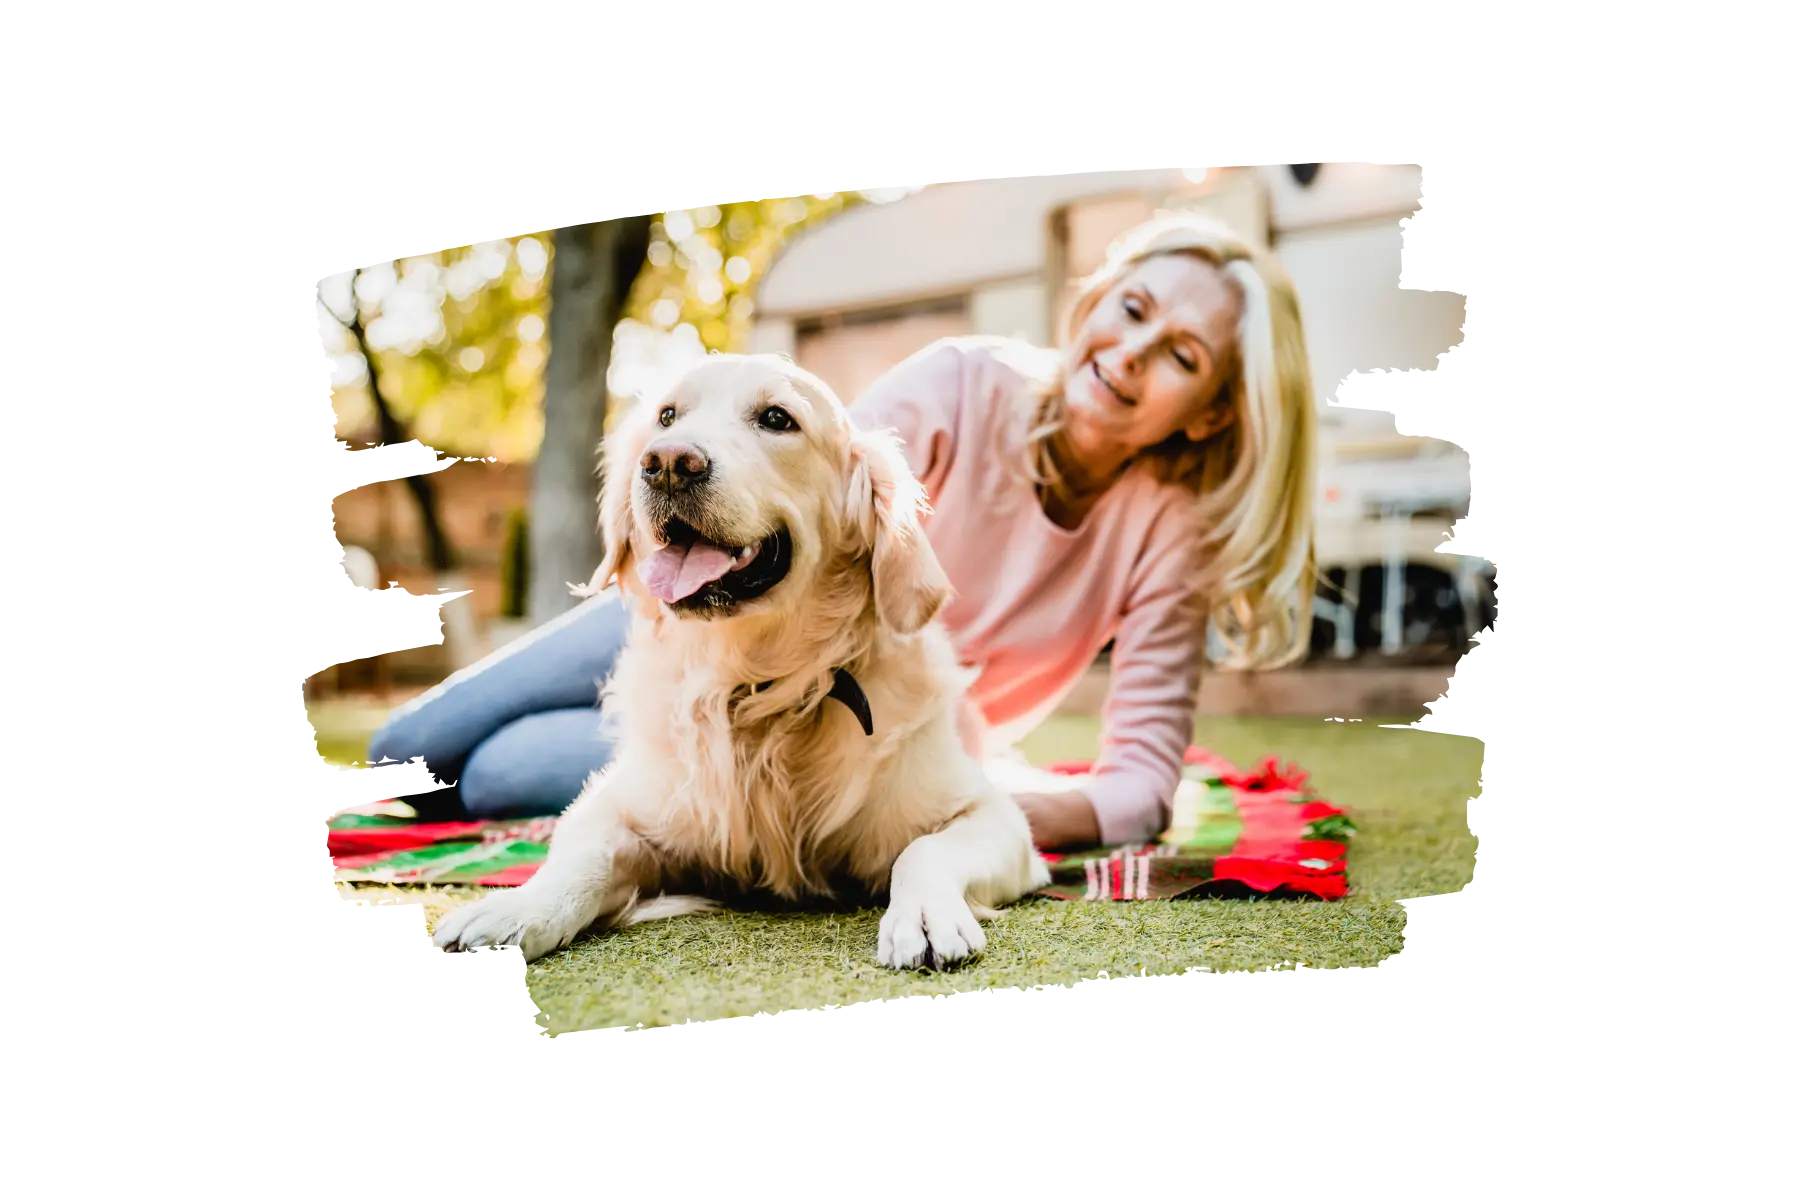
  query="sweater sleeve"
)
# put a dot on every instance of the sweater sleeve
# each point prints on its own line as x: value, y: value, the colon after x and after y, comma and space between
x: 1148, y: 720
x: 920, y: 399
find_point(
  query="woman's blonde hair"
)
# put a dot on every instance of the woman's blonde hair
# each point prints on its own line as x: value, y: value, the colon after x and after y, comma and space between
x: 1254, y: 480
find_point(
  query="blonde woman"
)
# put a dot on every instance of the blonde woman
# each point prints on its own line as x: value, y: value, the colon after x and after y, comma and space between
x: 1149, y: 481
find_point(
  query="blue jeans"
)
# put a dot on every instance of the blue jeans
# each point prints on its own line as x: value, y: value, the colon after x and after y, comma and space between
x: 518, y: 733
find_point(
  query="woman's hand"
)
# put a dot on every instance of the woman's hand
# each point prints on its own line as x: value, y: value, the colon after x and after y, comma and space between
x: 1060, y: 820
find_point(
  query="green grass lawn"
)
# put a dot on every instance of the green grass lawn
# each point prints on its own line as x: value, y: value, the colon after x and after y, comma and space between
x: 1406, y: 789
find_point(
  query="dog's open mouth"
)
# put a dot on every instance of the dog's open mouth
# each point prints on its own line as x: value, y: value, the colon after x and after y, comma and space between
x: 692, y: 572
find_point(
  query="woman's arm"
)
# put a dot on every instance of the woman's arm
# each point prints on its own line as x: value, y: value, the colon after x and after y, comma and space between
x: 1148, y: 720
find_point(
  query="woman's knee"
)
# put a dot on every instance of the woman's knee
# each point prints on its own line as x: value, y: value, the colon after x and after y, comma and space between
x: 557, y: 666
x: 432, y: 726
x: 534, y: 766
x: 392, y: 743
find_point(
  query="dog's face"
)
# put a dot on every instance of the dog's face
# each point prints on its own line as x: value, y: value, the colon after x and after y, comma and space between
x: 747, y: 486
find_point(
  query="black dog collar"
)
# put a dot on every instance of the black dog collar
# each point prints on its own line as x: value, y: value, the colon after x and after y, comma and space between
x: 845, y: 688
x: 849, y: 693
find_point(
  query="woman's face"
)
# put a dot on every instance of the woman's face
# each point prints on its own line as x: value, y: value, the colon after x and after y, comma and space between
x: 1151, y: 359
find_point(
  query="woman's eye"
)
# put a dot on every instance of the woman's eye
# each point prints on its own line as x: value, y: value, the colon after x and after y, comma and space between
x: 1133, y: 309
x: 666, y: 417
x: 776, y: 419
x: 1188, y: 362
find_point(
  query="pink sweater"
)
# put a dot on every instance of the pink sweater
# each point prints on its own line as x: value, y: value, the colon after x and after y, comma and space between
x: 1035, y: 603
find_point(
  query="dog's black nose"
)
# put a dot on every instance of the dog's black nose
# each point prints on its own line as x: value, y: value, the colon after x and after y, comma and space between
x: 674, y: 466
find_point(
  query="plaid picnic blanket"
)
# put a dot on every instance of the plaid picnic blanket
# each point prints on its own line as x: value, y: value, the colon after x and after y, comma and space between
x: 1264, y: 830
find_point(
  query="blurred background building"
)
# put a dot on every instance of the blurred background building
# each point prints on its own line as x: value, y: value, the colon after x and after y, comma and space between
x: 849, y: 284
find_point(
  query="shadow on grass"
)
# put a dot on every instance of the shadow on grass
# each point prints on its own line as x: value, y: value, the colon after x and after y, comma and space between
x: 850, y: 902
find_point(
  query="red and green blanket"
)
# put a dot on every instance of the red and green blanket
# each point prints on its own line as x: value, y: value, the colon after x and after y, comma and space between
x: 1264, y: 830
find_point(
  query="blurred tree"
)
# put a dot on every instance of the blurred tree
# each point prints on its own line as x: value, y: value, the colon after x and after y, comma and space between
x: 592, y: 269
x: 447, y: 348
x: 460, y: 339
x: 388, y: 427
x: 703, y: 264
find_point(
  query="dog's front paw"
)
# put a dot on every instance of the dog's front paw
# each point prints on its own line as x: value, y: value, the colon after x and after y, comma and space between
x: 921, y: 929
x: 537, y: 924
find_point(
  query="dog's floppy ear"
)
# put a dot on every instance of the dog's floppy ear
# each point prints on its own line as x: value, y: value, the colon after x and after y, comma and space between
x: 883, y: 506
x: 617, y: 464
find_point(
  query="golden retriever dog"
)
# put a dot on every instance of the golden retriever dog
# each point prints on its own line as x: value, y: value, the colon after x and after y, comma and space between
x: 784, y: 706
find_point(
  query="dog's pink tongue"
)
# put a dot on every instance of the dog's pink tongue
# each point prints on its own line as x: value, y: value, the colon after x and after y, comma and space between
x: 677, y: 572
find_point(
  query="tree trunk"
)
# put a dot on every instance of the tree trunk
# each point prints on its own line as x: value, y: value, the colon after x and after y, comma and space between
x: 391, y: 433
x: 592, y: 268
x: 461, y: 639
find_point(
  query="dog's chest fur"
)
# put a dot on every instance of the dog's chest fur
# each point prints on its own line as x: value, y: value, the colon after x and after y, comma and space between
x: 782, y: 800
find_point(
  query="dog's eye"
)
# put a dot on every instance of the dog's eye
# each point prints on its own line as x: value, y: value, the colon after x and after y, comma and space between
x: 666, y: 417
x: 776, y: 419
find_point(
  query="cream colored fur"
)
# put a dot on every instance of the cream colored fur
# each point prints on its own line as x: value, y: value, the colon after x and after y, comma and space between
x: 719, y: 790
